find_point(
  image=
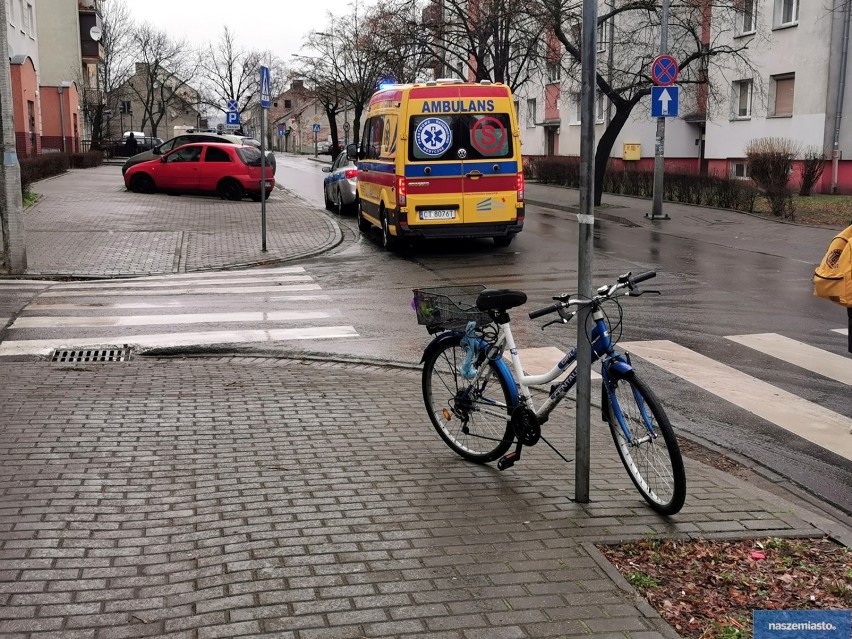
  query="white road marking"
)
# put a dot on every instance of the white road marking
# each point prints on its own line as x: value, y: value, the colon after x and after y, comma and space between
x: 806, y: 419
x: 24, y: 283
x: 802, y: 355
x: 48, y: 306
x: 126, y: 284
x: 166, y: 340
x: 238, y: 290
x: 165, y: 320
x: 842, y: 331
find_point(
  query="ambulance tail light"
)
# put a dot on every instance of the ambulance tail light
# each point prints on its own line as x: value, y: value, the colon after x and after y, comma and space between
x: 400, y: 190
x: 351, y: 173
x: 520, y: 186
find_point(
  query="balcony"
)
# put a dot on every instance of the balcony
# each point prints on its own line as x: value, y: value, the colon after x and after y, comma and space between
x: 88, y: 6
x: 90, y: 34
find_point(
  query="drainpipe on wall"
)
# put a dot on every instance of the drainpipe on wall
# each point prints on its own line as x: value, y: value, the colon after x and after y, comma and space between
x: 59, y: 90
x: 835, y: 152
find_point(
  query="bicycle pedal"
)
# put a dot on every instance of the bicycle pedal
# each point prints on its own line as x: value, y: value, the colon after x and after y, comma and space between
x: 507, y: 461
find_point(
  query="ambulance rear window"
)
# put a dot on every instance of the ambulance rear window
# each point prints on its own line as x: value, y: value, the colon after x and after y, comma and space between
x: 463, y: 136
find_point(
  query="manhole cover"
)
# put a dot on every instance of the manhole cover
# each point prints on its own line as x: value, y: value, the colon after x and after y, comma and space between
x: 104, y: 354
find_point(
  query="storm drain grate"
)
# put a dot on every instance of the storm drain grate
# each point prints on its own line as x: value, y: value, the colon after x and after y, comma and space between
x: 105, y: 354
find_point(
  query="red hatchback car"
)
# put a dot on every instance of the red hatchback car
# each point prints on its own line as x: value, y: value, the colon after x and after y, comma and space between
x: 231, y: 171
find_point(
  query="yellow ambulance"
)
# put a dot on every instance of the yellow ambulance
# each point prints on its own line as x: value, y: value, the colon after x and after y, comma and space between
x: 441, y: 159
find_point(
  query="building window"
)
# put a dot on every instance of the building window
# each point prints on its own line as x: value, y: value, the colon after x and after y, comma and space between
x: 531, y: 113
x: 783, y: 88
x: 740, y: 170
x: 28, y: 19
x: 746, y: 17
x: 517, y: 106
x: 742, y: 99
x: 599, y: 107
x: 10, y: 12
x: 786, y: 13
x: 125, y: 107
x: 554, y: 72
x: 576, y: 98
x: 288, y: 104
x: 21, y: 14
x: 603, y: 36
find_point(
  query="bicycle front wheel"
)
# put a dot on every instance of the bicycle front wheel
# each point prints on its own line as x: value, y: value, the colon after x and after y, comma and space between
x: 471, y: 416
x: 650, y: 454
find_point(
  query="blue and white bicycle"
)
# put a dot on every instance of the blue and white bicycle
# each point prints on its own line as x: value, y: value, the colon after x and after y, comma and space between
x: 480, y: 406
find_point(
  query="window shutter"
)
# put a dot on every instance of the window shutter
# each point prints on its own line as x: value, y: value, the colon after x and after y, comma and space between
x: 784, y: 96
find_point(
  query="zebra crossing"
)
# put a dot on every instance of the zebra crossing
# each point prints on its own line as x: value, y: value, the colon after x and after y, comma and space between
x: 191, y: 307
x: 807, y: 419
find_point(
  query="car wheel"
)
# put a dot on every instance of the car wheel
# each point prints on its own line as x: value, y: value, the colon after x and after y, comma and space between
x: 388, y: 240
x: 231, y: 190
x: 363, y: 224
x: 142, y: 183
x: 341, y: 207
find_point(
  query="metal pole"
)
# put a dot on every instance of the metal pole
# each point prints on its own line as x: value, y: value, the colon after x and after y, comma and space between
x: 12, y: 209
x: 835, y: 151
x: 263, y: 179
x: 660, y: 146
x: 586, y: 218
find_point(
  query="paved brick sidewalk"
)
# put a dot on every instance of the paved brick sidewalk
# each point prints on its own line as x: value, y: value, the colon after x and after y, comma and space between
x: 260, y: 497
x: 88, y: 224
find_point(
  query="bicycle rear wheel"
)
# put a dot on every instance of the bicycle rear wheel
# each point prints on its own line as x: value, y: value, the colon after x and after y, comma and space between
x: 473, y: 420
x: 651, y: 456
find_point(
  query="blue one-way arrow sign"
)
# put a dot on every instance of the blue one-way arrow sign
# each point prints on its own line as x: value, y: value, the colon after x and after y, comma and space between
x: 664, y: 102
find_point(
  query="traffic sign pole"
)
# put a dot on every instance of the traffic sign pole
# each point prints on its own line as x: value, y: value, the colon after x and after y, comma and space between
x: 659, y: 147
x: 264, y: 105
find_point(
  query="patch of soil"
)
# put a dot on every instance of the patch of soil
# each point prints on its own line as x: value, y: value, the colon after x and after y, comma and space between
x: 708, y: 589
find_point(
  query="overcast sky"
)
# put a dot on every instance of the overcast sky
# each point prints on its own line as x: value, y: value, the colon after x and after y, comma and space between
x: 277, y: 25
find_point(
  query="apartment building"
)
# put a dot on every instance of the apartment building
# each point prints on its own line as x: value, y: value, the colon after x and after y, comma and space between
x: 53, y: 53
x: 24, y: 67
x: 790, y: 87
x: 69, y: 46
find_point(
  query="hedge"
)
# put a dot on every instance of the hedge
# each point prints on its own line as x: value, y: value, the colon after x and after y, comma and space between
x: 50, y: 164
x: 707, y: 190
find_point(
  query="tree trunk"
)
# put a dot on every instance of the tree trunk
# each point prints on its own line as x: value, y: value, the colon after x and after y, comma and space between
x: 356, y: 124
x: 605, y: 144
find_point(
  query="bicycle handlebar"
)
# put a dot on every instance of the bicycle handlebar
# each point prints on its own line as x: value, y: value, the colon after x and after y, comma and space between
x: 545, y: 311
x: 624, y: 281
x: 643, y: 276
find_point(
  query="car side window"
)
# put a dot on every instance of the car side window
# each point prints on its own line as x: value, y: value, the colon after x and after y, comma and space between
x: 186, y: 154
x: 167, y: 146
x: 215, y: 154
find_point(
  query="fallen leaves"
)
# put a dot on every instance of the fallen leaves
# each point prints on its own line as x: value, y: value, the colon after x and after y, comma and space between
x: 709, y: 588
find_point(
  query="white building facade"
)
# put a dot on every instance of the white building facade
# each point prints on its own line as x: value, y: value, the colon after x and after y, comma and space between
x: 788, y: 88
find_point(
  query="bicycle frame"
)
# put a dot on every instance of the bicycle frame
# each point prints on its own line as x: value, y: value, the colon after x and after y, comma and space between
x: 602, y: 349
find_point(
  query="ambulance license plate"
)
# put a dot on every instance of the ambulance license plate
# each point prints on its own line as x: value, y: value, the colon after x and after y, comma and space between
x: 438, y: 214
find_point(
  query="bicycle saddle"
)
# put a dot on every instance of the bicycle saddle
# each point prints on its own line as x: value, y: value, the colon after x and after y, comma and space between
x: 499, y: 299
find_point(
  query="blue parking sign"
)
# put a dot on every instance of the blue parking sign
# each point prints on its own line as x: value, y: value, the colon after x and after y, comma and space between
x: 232, y: 117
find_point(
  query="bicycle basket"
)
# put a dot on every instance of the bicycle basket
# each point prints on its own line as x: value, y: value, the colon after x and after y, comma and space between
x: 448, y: 307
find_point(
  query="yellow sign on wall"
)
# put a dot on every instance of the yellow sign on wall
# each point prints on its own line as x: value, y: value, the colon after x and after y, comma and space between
x: 631, y: 151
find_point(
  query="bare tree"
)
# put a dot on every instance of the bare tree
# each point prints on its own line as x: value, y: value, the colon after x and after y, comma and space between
x: 497, y: 40
x: 103, y: 91
x: 231, y: 72
x: 633, y: 28
x: 163, y: 68
x: 323, y: 82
